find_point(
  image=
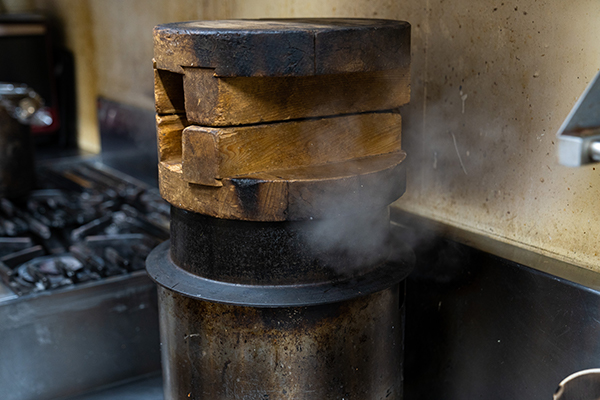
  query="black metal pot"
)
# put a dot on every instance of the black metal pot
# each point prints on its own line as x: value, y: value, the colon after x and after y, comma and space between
x: 296, y: 325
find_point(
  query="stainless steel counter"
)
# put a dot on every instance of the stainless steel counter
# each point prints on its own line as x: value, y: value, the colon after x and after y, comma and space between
x: 6, y: 294
x: 502, y: 323
x: 69, y: 341
x: 148, y: 388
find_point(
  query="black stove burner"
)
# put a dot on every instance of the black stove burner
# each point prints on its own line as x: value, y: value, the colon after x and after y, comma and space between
x: 82, y: 224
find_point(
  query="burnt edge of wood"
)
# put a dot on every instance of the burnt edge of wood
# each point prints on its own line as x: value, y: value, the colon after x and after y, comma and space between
x: 285, y: 47
x: 269, y: 197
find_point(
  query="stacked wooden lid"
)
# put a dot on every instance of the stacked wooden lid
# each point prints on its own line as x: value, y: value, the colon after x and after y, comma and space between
x: 281, y: 120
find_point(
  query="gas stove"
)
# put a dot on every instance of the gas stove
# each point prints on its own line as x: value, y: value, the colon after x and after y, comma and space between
x: 78, y: 311
x: 83, y: 223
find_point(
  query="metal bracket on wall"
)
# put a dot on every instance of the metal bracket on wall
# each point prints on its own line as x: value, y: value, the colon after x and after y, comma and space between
x: 579, y: 135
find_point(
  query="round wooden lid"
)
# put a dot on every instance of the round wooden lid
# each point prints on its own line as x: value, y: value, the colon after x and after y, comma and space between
x: 283, y: 47
x: 318, y: 192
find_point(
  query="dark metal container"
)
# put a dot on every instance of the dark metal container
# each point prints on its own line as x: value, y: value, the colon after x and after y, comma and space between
x: 17, y: 175
x: 305, y: 328
x: 344, y: 350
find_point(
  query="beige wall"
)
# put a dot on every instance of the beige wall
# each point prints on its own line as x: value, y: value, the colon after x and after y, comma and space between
x: 521, y: 66
x: 492, y: 81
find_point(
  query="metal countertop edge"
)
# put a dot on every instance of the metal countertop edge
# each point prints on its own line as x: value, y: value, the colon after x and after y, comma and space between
x: 555, y: 267
x: 101, y: 285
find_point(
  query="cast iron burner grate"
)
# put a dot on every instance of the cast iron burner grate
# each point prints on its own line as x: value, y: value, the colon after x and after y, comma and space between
x: 83, y: 223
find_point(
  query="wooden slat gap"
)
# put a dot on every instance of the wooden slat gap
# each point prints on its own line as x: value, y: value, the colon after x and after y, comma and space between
x: 388, y: 111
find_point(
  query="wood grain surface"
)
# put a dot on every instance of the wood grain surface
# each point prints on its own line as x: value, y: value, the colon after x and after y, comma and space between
x: 214, y: 101
x: 210, y: 154
x: 293, y: 194
x: 168, y: 92
x: 169, y: 129
x: 293, y: 47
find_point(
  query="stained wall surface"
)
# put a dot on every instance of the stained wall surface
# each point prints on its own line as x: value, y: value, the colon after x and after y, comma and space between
x: 492, y: 80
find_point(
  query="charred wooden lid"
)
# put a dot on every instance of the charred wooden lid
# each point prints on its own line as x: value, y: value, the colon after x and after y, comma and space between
x: 283, y: 47
x: 323, y: 191
x: 281, y: 120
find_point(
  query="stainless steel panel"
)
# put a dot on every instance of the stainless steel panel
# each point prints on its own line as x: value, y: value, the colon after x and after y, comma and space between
x: 148, y: 388
x: 5, y: 293
x: 481, y: 326
x: 70, y: 341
